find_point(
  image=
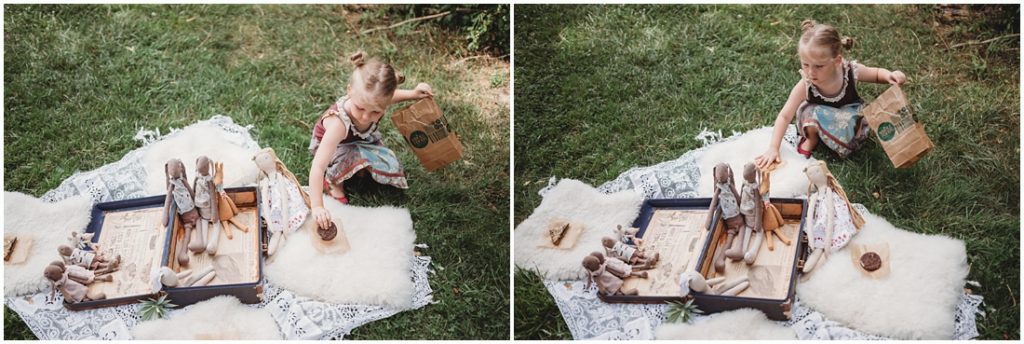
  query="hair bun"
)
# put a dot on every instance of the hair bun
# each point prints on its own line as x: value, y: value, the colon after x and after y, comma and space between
x: 847, y: 42
x: 808, y: 24
x: 358, y: 59
x: 399, y: 78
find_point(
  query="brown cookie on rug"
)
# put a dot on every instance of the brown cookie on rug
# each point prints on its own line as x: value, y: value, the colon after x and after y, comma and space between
x: 327, y: 234
x: 870, y: 261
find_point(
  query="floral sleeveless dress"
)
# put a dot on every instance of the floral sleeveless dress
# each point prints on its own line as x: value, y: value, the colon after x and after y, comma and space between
x: 838, y: 120
x: 359, y: 150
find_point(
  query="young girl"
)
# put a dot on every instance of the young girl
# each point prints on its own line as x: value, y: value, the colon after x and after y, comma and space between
x: 346, y: 138
x: 825, y: 100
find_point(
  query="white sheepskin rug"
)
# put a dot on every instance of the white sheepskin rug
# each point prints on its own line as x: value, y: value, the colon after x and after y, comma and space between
x: 201, y: 138
x: 738, y: 151
x: 49, y: 225
x: 740, y: 324
x: 573, y: 201
x: 917, y: 300
x: 375, y: 271
x: 219, y: 318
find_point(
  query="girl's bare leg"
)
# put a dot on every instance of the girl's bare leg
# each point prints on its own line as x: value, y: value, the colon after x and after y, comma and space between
x: 811, y: 133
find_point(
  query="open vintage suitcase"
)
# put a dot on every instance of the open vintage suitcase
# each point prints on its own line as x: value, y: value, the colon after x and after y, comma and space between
x: 133, y: 229
x: 675, y: 229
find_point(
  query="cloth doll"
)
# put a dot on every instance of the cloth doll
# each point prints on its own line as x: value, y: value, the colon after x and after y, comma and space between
x: 752, y: 209
x: 91, y: 260
x: 179, y: 192
x: 771, y: 217
x: 82, y: 241
x: 833, y: 221
x: 694, y: 281
x: 225, y: 205
x: 607, y: 283
x: 627, y: 253
x: 206, y: 202
x: 726, y: 200
x: 73, y: 288
x: 620, y: 268
x: 285, y: 205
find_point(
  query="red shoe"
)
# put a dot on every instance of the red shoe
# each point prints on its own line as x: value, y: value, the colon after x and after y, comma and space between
x: 799, y: 148
x: 327, y: 191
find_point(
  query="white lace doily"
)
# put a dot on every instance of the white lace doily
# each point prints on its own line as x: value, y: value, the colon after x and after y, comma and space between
x: 589, y: 318
x: 297, y: 317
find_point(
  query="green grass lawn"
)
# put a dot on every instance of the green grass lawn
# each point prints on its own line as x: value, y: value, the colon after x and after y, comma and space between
x: 602, y: 88
x: 81, y: 80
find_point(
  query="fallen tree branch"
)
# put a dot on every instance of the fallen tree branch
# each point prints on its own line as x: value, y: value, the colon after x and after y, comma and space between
x: 990, y: 40
x: 432, y: 16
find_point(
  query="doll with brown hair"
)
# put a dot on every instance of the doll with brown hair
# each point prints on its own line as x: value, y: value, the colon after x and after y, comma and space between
x: 206, y: 202
x: 620, y: 268
x: 179, y: 192
x: 752, y: 208
x: 226, y: 208
x: 607, y: 283
x: 833, y: 220
x: 629, y: 253
x: 96, y: 261
x: 73, y: 287
x: 284, y: 204
x: 346, y: 138
x: 726, y: 200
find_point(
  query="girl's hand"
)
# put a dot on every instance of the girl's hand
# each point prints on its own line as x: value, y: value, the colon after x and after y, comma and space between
x: 897, y: 78
x: 322, y: 217
x: 423, y: 90
x: 770, y: 156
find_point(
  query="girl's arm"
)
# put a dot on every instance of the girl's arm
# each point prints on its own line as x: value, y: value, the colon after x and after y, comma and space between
x: 334, y: 132
x: 796, y: 96
x: 880, y: 75
x: 421, y: 91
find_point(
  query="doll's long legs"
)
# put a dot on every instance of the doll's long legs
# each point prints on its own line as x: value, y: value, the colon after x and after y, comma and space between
x: 202, y: 278
x: 782, y: 237
x: 641, y: 274
x: 755, y: 248
x: 104, y: 278
x: 720, y: 255
x: 768, y: 238
x: 735, y: 252
x: 227, y: 229
x: 812, y: 260
x: 241, y: 226
x: 196, y: 245
x: 211, y: 245
x: 275, y: 239
x: 182, y: 250
x: 746, y: 237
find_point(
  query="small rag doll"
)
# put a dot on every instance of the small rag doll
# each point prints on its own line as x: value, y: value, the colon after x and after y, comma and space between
x: 726, y: 199
x: 628, y: 235
x: 833, y: 220
x: 628, y: 253
x: 225, y: 205
x: 694, y: 281
x: 285, y: 205
x: 607, y: 283
x: 82, y: 241
x: 752, y: 209
x: 179, y: 192
x: 95, y: 261
x: 73, y: 288
x: 620, y: 268
x: 206, y: 202
x: 164, y: 276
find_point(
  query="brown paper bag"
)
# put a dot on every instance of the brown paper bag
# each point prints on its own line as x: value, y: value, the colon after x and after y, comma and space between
x: 425, y: 128
x: 903, y: 139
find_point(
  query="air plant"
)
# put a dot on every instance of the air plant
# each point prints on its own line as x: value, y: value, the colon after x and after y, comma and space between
x: 156, y: 308
x: 681, y: 312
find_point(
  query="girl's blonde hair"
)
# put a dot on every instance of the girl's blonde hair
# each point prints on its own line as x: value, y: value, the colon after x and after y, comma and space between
x: 374, y: 77
x: 824, y: 36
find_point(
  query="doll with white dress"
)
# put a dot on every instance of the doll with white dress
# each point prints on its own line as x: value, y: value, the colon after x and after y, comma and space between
x: 284, y: 204
x: 832, y: 220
